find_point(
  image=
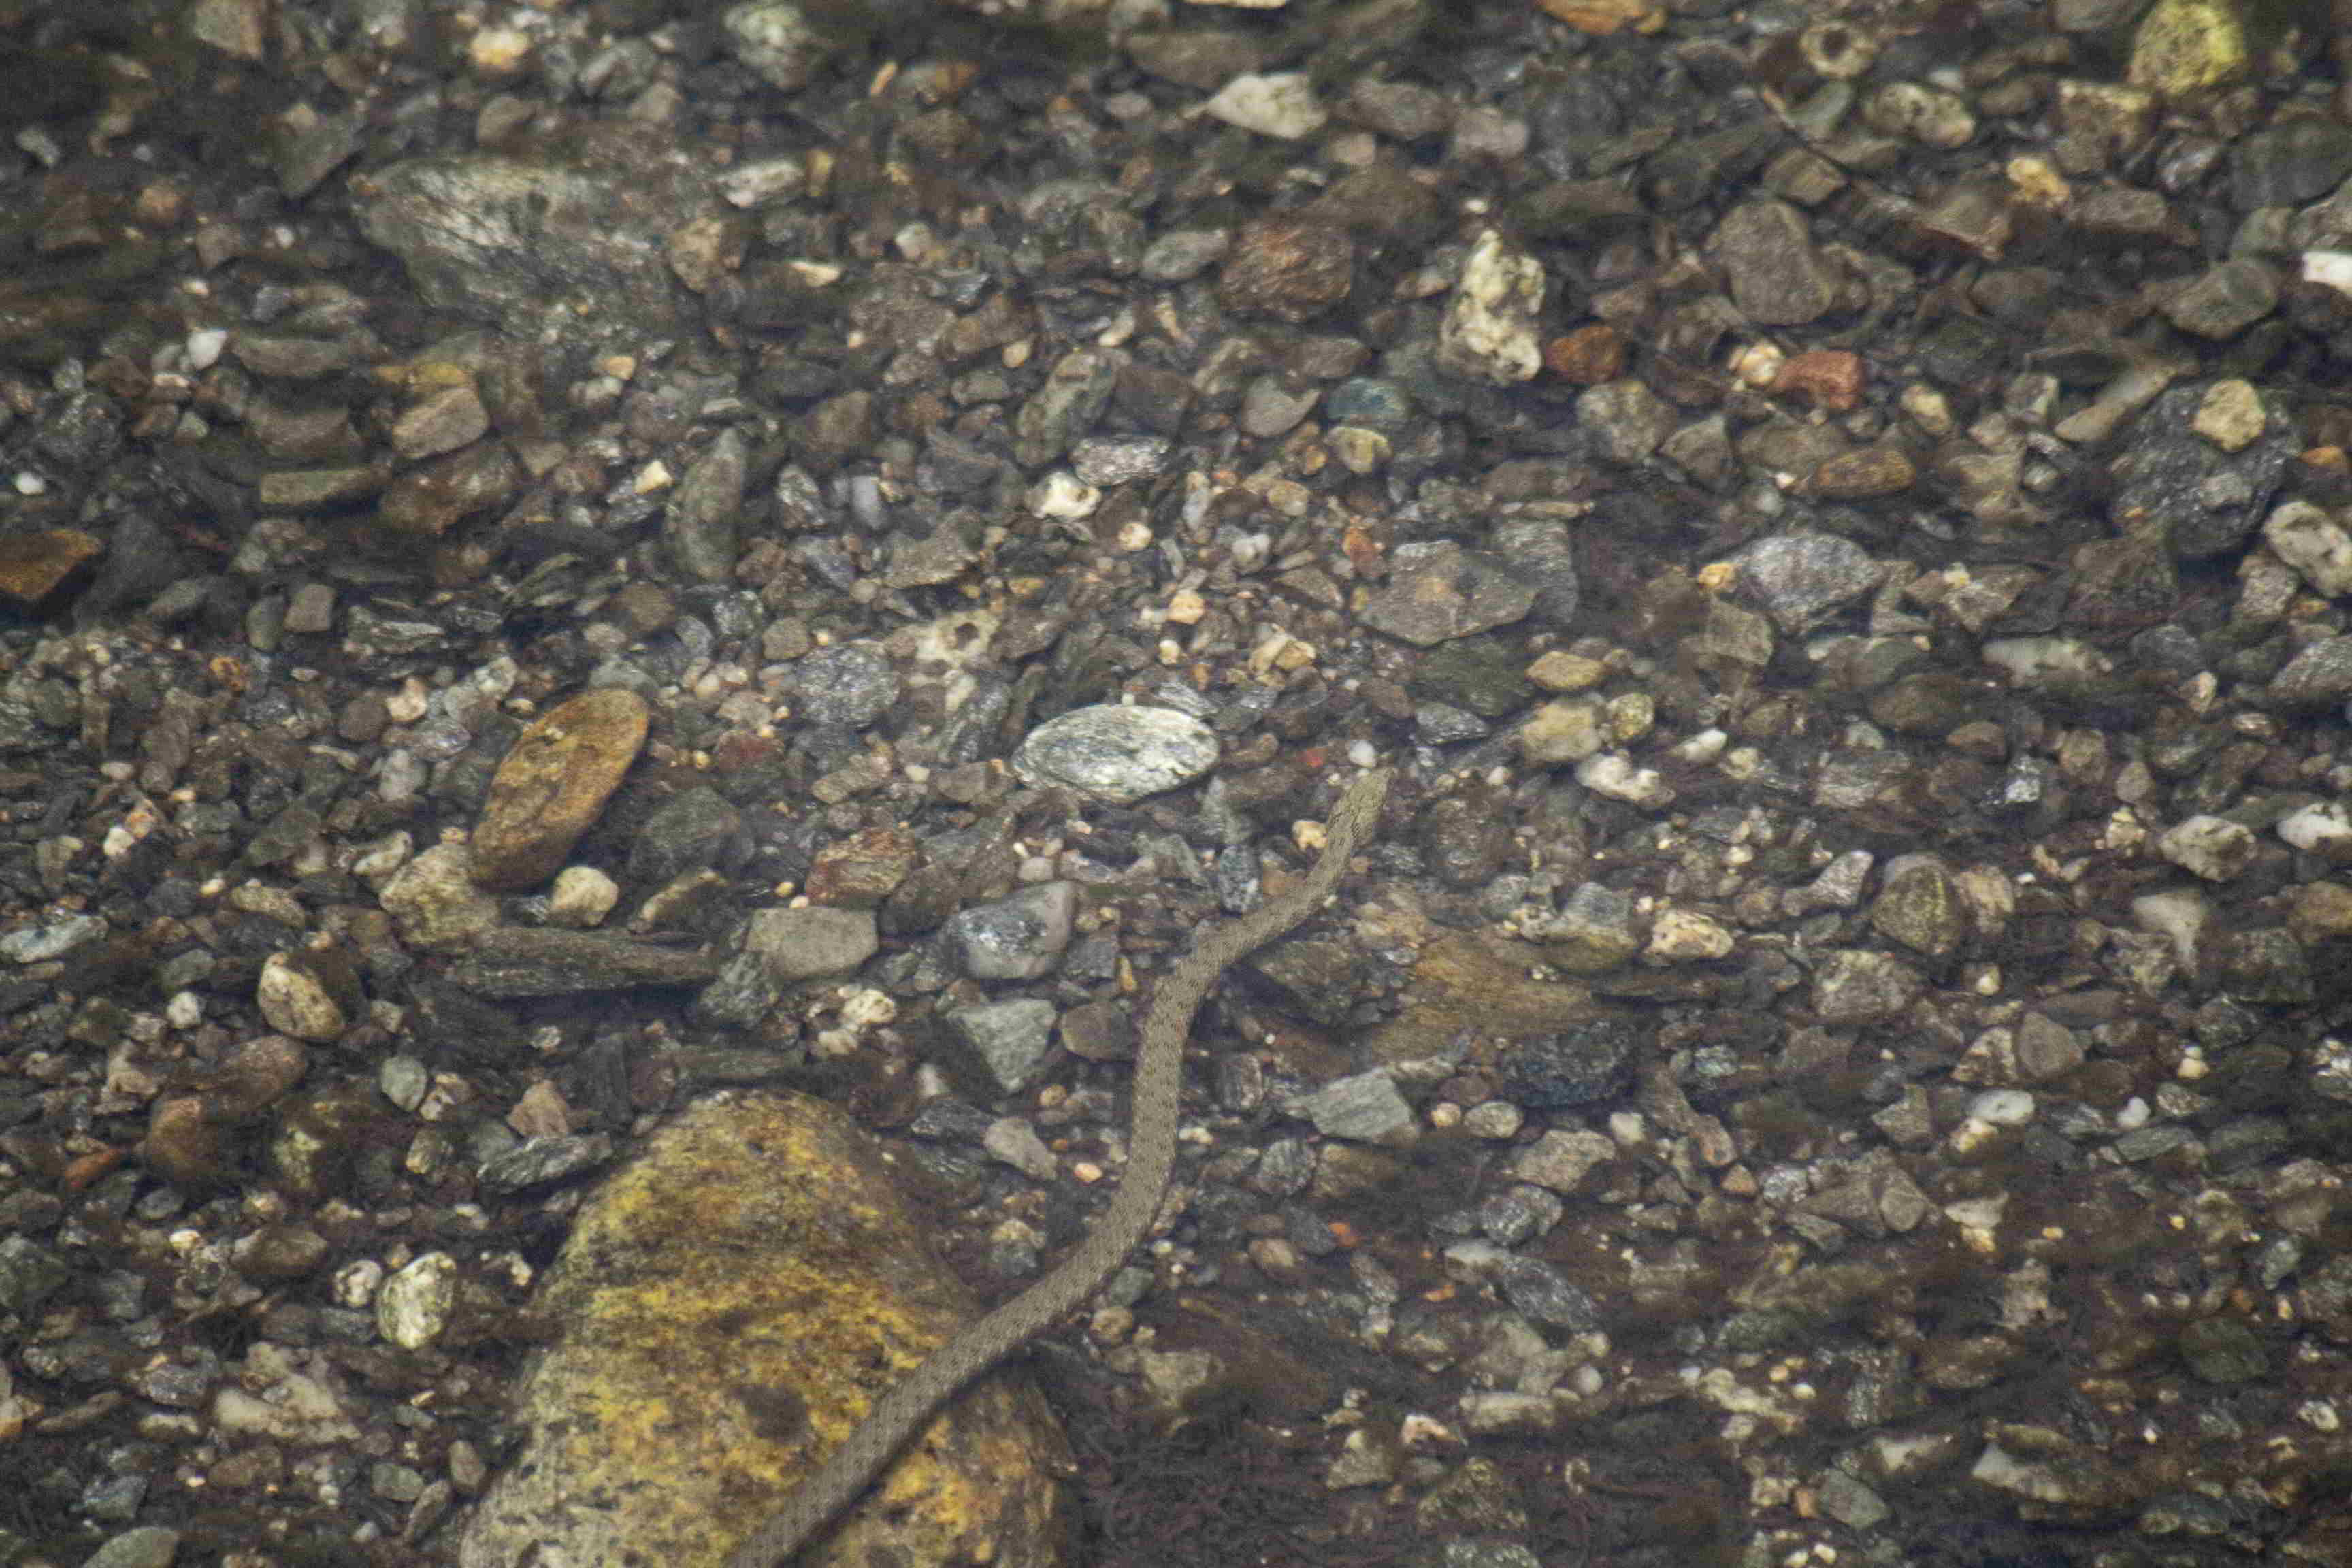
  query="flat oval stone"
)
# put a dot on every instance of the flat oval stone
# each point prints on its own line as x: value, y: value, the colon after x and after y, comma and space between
x: 553, y: 785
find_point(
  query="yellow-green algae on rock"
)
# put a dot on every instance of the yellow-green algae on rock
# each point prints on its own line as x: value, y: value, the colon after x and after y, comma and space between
x: 2185, y: 47
x: 725, y: 1310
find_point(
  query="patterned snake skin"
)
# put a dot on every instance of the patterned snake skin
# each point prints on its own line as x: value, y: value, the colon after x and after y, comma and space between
x: 1158, y: 1079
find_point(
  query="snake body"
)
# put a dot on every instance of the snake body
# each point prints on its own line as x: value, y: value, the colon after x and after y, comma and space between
x: 895, y: 1417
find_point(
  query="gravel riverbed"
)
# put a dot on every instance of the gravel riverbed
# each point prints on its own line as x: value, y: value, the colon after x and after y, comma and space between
x: 564, y: 563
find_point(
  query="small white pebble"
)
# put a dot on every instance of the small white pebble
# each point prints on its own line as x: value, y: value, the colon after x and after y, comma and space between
x: 2003, y: 1107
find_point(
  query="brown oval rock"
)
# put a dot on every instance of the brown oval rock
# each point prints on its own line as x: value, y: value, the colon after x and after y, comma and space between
x: 183, y: 1145
x: 1872, y: 471
x: 280, y: 1252
x: 187, y: 1134
x: 255, y: 1075
x: 726, y: 1308
x: 552, y: 786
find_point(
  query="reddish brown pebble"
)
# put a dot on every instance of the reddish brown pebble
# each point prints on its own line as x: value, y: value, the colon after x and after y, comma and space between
x: 1827, y: 378
x: 1290, y: 271
x: 85, y: 1169
x: 1589, y: 355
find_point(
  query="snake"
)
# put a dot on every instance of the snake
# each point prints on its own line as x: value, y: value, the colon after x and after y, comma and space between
x: 1158, y: 1083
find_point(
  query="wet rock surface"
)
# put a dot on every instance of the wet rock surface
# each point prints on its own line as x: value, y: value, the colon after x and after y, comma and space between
x: 563, y: 572
x: 717, y: 1316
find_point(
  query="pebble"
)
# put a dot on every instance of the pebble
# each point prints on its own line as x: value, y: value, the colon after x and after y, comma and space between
x: 1365, y: 1108
x: 412, y: 1310
x: 1119, y: 754
x: 1283, y: 105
